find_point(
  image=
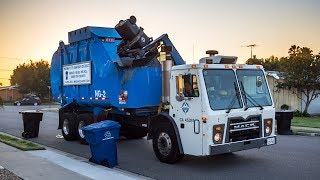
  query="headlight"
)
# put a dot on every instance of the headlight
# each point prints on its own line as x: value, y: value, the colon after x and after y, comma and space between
x: 268, y: 124
x: 217, y: 137
x: 217, y: 133
x: 268, y: 130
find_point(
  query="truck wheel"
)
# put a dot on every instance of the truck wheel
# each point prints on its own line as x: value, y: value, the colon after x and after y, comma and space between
x: 68, y: 128
x: 83, y: 120
x: 165, y: 145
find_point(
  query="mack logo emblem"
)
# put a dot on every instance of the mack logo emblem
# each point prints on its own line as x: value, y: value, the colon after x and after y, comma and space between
x: 185, y: 107
x: 241, y: 126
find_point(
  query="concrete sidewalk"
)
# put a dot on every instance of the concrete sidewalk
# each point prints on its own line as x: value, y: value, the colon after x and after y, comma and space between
x: 51, y: 164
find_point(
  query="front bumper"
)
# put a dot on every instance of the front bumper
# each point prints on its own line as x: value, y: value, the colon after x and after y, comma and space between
x: 242, y: 145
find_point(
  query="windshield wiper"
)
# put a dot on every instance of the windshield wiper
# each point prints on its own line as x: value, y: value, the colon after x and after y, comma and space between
x: 247, y: 96
x: 234, y: 98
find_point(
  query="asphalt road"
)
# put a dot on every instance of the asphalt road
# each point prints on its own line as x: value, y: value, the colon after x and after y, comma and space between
x: 294, y: 157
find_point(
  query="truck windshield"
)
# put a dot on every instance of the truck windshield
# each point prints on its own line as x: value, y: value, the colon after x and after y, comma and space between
x: 222, y: 89
x: 254, y: 88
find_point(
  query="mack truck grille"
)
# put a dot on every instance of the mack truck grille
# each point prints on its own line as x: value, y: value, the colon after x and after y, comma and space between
x: 244, y: 129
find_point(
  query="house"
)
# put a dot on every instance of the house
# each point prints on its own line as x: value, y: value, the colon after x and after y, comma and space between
x: 10, y: 93
x: 281, y: 96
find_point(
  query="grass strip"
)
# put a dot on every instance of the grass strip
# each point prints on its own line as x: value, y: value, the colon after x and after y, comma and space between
x: 19, y: 143
x: 306, y: 121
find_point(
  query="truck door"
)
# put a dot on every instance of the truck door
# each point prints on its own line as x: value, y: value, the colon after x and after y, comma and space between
x: 187, y: 111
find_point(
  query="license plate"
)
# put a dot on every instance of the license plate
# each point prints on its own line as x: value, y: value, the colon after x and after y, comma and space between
x: 271, y: 141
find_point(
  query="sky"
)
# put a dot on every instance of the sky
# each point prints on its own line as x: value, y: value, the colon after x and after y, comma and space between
x: 32, y: 29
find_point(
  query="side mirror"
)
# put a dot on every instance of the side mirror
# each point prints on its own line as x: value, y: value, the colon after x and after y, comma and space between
x: 259, y: 81
x: 180, y: 97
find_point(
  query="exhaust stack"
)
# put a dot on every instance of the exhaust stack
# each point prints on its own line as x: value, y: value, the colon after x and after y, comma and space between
x: 166, y: 68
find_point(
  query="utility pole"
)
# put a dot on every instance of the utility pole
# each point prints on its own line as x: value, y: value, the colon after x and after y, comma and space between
x: 193, y: 53
x: 251, y: 46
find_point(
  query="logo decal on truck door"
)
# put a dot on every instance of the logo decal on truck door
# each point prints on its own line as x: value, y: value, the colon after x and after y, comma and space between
x: 185, y: 107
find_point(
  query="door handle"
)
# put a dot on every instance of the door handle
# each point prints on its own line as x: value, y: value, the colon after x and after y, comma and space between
x: 196, y: 126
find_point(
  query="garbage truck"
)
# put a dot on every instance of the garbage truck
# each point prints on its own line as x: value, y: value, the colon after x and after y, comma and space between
x: 213, y: 107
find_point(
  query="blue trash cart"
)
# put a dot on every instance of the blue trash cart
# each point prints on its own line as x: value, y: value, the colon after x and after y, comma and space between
x: 102, y: 137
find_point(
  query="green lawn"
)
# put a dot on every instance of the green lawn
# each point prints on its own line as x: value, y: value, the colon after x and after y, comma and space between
x: 306, y: 121
x: 19, y: 143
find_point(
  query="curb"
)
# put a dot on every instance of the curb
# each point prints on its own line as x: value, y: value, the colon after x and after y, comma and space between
x: 50, y: 109
x: 306, y: 134
x: 121, y: 172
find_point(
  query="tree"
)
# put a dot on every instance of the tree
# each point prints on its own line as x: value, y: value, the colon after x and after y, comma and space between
x: 301, y: 71
x: 270, y: 64
x: 33, y: 77
x: 254, y: 60
x: 0, y: 84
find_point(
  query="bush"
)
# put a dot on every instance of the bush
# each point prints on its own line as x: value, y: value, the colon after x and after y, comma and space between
x: 298, y: 113
x: 284, y: 107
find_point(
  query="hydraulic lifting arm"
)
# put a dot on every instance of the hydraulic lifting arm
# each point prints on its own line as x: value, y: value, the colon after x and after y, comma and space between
x: 177, y: 59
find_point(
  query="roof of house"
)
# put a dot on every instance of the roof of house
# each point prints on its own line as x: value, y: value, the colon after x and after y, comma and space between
x: 274, y: 74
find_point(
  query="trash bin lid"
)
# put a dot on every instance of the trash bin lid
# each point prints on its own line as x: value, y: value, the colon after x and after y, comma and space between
x: 107, y: 124
x: 30, y: 111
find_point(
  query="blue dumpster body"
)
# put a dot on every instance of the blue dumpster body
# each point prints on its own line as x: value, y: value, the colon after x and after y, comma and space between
x: 102, y: 137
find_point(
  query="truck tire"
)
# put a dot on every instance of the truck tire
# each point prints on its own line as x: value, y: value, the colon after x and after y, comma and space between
x: 68, y: 127
x: 83, y: 120
x: 165, y: 145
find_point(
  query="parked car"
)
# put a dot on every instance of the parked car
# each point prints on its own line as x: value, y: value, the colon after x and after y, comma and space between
x: 32, y: 100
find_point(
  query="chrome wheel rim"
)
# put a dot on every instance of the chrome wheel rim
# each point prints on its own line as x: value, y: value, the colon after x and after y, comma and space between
x: 66, y: 126
x: 81, y: 124
x: 164, y: 144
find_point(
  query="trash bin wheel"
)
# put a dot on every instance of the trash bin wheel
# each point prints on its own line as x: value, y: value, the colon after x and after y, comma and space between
x: 68, y: 126
x: 26, y: 135
x: 105, y: 162
x: 83, y: 120
x: 165, y: 145
x: 23, y: 134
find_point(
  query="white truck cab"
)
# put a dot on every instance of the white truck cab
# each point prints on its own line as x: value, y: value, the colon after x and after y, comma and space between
x: 218, y: 107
